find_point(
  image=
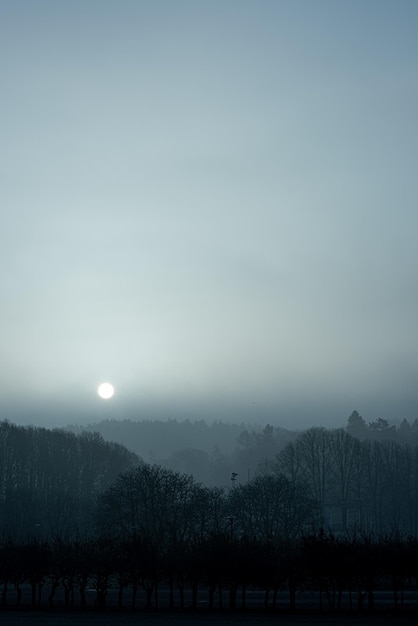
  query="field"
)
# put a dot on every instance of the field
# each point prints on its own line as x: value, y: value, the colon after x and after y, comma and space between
x: 162, y: 618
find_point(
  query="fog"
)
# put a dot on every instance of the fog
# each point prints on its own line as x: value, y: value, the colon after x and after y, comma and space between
x: 210, y: 206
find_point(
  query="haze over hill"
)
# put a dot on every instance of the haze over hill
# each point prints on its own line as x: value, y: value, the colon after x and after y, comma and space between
x: 89, y: 409
x: 212, y: 206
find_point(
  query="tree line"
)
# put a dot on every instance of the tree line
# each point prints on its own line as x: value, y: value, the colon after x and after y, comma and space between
x: 53, y: 482
x: 328, y: 512
x: 216, y: 571
x: 155, y: 528
x: 212, y: 451
x: 366, y: 486
x: 49, y: 479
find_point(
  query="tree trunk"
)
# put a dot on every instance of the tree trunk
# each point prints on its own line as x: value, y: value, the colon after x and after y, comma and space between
x: 52, y: 593
x: 244, y: 596
x: 4, y: 594
x: 171, y: 595
x: 18, y: 594
x: 292, y: 596
x: 212, y: 589
x: 120, y: 596
x: 134, y: 594
x: 33, y: 594
x: 232, y: 597
x: 194, y: 596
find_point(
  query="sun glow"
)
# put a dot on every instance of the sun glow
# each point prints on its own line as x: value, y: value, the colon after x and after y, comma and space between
x: 105, y: 391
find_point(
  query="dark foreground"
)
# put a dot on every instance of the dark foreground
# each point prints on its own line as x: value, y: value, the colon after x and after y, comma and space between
x: 220, y: 618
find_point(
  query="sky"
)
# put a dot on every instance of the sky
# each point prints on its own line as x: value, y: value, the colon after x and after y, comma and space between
x: 211, y: 205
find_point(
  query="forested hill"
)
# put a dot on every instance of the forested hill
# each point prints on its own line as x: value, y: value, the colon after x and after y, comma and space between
x: 49, y: 479
x: 210, y: 452
x: 158, y: 439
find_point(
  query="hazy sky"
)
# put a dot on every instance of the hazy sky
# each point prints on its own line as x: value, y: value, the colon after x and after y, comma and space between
x: 212, y: 205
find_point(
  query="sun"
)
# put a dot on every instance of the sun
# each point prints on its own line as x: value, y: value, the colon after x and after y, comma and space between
x: 105, y: 391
